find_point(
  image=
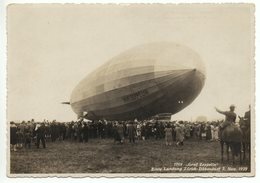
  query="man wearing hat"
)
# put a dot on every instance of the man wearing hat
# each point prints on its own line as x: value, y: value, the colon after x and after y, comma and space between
x: 230, y: 116
x: 247, y: 115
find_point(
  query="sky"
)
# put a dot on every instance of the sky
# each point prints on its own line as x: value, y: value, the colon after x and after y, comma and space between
x: 52, y: 47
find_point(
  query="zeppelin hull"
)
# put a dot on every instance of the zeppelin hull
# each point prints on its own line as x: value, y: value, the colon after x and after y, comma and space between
x: 139, y: 85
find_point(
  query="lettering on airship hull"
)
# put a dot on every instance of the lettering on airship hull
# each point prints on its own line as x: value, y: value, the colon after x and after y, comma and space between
x: 135, y: 96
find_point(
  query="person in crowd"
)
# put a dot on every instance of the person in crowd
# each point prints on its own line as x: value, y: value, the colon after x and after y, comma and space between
x: 230, y: 116
x: 20, y: 138
x: 40, y: 135
x: 202, y: 131
x: 168, y: 135
x: 148, y: 130
x: 48, y: 131
x: 63, y: 131
x: 109, y: 129
x: 143, y: 131
x: 247, y: 116
x: 53, y: 131
x: 215, y: 132
x: 85, y: 132
x: 161, y: 130
x: 75, y: 130
x: 156, y: 130
x: 71, y: 130
x: 100, y: 129
x: 27, y: 137
x: 187, y: 131
x: 79, y: 132
x: 13, y: 136
x: 208, y: 132
x: 138, y: 131
x: 131, y: 131
x: 120, y: 131
x: 115, y: 133
x: 179, y: 134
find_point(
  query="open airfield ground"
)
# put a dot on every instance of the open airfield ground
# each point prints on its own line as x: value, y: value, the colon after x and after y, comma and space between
x: 105, y: 156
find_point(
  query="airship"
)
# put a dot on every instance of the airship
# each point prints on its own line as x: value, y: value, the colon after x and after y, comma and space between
x: 146, y: 80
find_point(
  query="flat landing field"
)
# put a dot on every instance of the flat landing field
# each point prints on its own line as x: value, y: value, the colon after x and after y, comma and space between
x: 105, y: 156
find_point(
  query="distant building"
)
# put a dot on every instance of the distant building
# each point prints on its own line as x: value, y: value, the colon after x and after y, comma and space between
x: 201, y: 118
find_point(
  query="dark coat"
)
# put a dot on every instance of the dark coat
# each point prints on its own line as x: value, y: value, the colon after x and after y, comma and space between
x: 40, y: 132
x: 131, y: 131
x: 248, y: 116
x: 13, y: 134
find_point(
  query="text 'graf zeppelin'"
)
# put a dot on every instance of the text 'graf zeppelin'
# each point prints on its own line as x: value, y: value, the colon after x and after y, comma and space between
x: 135, y: 96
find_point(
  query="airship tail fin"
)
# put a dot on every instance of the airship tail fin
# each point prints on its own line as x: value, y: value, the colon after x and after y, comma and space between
x: 68, y: 103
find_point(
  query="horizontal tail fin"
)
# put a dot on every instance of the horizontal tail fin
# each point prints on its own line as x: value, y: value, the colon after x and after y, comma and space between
x: 68, y: 103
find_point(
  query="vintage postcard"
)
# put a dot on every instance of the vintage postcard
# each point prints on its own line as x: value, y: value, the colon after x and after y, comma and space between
x: 130, y: 90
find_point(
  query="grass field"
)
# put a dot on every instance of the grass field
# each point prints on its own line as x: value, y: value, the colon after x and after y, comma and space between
x: 105, y: 156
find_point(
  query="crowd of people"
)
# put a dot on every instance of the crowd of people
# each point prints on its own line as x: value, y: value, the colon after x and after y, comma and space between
x: 24, y: 134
